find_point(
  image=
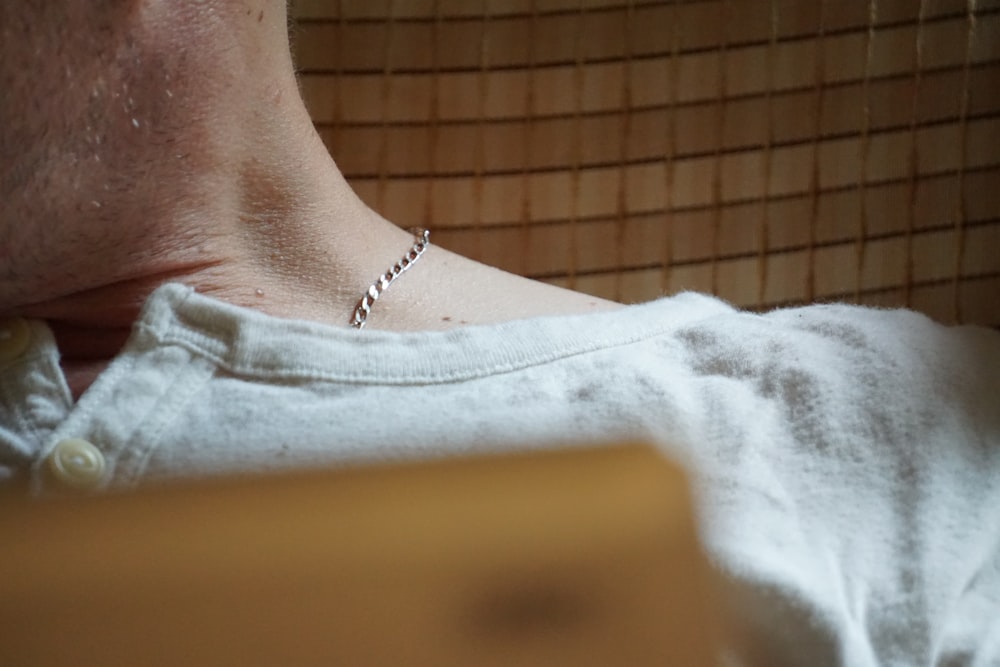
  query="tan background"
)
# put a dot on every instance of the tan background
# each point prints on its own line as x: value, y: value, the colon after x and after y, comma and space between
x: 769, y: 151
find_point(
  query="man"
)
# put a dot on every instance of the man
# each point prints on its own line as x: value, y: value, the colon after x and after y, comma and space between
x: 181, y: 262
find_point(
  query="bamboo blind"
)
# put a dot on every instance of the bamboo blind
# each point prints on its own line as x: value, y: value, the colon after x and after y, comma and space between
x: 772, y: 152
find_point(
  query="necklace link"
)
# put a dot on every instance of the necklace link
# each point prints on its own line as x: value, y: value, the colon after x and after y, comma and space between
x: 422, y: 240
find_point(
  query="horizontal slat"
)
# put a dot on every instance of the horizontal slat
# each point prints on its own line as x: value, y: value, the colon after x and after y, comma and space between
x: 608, y: 246
x: 743, y: 230
x: 426, y: 10
x: 567, y: 89
x: 742, y: 177
x: 838, y: 15
x: 573, y: 29
x: 600, y: 38
x: 485, y: 148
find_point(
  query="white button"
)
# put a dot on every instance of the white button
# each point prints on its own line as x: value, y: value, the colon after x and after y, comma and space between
x: 14, y: 338
x: 77, y: 463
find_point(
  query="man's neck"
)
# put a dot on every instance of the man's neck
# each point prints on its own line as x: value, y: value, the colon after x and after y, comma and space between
x: 217, y: 182
x: 196, y: 162
x: 309, y: 258
x: 193, y: 159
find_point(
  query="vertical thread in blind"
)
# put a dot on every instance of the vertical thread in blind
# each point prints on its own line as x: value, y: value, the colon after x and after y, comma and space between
x: 819, y: 94
x: 963, y: 142
x: 434, y: 118
x: 861, y: 237
x: 914, y: 154
x: 479, y: 145
x: 527, y: 136
x: 386, y: 92
x: 670, y: 130
x: 720, y: 131
x: 763, y: 231
x: 625, y: 139
x: 577, y: 148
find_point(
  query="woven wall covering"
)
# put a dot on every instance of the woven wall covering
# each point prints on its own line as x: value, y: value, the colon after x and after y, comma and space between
x: 772, y: 152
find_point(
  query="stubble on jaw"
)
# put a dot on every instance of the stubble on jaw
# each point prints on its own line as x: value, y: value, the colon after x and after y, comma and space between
x: 100, y: 142
x: 55, y: 60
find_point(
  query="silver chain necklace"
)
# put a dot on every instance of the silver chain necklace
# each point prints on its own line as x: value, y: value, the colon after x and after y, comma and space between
x: 423, y: 239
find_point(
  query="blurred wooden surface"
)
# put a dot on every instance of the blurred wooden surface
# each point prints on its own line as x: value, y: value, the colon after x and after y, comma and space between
x: 583, y: 557
x: 772, y: 152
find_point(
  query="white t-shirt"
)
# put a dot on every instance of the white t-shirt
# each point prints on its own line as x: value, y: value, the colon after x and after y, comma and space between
x: 846, y: 461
